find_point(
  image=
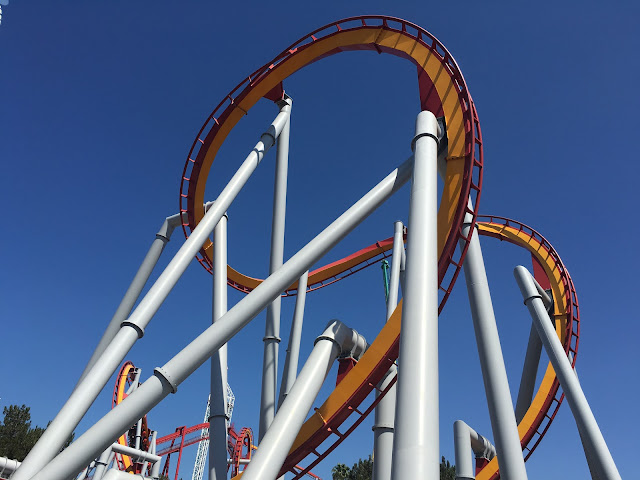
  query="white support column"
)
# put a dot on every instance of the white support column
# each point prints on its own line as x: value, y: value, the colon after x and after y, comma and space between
x: 274, y: 447
x: 293, y: 350
x: 272, y: 328
x: 132, y: 329
x: 167, y: 378
x: 383, y: 426
x: 494, y: 373
x: 595, y: 445
x: 218, y: 399
x: 416, y: 443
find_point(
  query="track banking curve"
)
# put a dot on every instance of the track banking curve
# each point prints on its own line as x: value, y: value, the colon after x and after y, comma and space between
x: 444, y: 92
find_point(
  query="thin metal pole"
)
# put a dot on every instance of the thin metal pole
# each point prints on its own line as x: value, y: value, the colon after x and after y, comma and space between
x: 166, y: 379
x: 274, y: 447
x: 87, y: 390
x: 272, y: 327
x: 494, y: 374
x: 137, y: 284
x: 218, y: 399
x: 293, y: 349
x: 601, y: 460
x: 386, y: 408
x: 150, y: 450
x: 416, y: 444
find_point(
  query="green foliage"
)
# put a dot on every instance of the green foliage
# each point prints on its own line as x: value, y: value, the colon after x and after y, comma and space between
x: 363, y: 470
x: 447, y: 471
x: 17, y: 437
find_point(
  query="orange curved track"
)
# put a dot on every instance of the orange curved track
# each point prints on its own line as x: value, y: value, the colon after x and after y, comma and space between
x: 125, y: 377
x: 360, y: 381
x: 442, y: 91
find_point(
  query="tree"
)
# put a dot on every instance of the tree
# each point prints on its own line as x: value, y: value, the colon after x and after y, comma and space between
x: 447, y: 471
x: 17, y: 437
x: 363, y: 470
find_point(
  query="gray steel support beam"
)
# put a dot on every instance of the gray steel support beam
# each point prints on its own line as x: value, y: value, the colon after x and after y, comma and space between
x: 529, y: 373
x: 102, y: 463
x: 383, y: 428
x: 87, y: 390
x: 137, y: 284
x: 416, y: 444
x: 465, y: 440
x: 8, y: 465
x: 137, y: 455
x: 152, y: 443
x: 272, y: 327
x: 218, y: 400
x: 601, y: 460
x: 386, y: 408
x: 531, y: 362
x: 494, y: 373
x: 173, y: 373
x: 274, y: 447
x: 293, y: 349
x: 155, y: 470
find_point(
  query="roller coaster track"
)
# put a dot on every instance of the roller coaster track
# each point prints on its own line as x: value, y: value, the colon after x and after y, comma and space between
x: 444, y: 92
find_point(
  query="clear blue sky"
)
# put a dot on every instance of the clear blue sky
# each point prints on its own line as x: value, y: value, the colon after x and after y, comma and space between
x: 100, y: 104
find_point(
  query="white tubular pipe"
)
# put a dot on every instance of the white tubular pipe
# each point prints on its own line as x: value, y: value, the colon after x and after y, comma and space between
x: 529, y: 374
x: 293, y: 349
x: 416, y: 445
x: 272, y: 327
x: 102, y: 463
x: 383, y: 428
x: 218, y: 399
x: 7, y: 465
x: 155, y: 470
x: 167, y: 378
x: 531, y: 362
x: 87, y: 390
x: 272, y: 451
x: 152, y: 442
x: 386, y: 408
x: 465, y: 440
x: 590, y: 433
x: 494, y: 373
x: 133, y: 292
x: 137, y: 456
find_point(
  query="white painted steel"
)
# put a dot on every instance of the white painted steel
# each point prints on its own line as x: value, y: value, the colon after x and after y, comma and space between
x: 271, y: 338
x: 102, y: 463
x: 137, y: 455
x: 416, y: 444
x: 466, y: 440
x: 494, y: 374
x: 218, y: 401
x: 135, y: 288
x: 385, y: 410
x: 167, y: 378
x: 274, y: 447
x: 601, y: 460
x: 88, y: 389
x: 293, y: 349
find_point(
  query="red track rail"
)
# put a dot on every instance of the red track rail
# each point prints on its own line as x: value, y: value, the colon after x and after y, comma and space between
x: 472, y: 183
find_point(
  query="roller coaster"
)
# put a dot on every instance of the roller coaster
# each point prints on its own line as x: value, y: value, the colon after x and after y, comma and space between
x: 441, y: 239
